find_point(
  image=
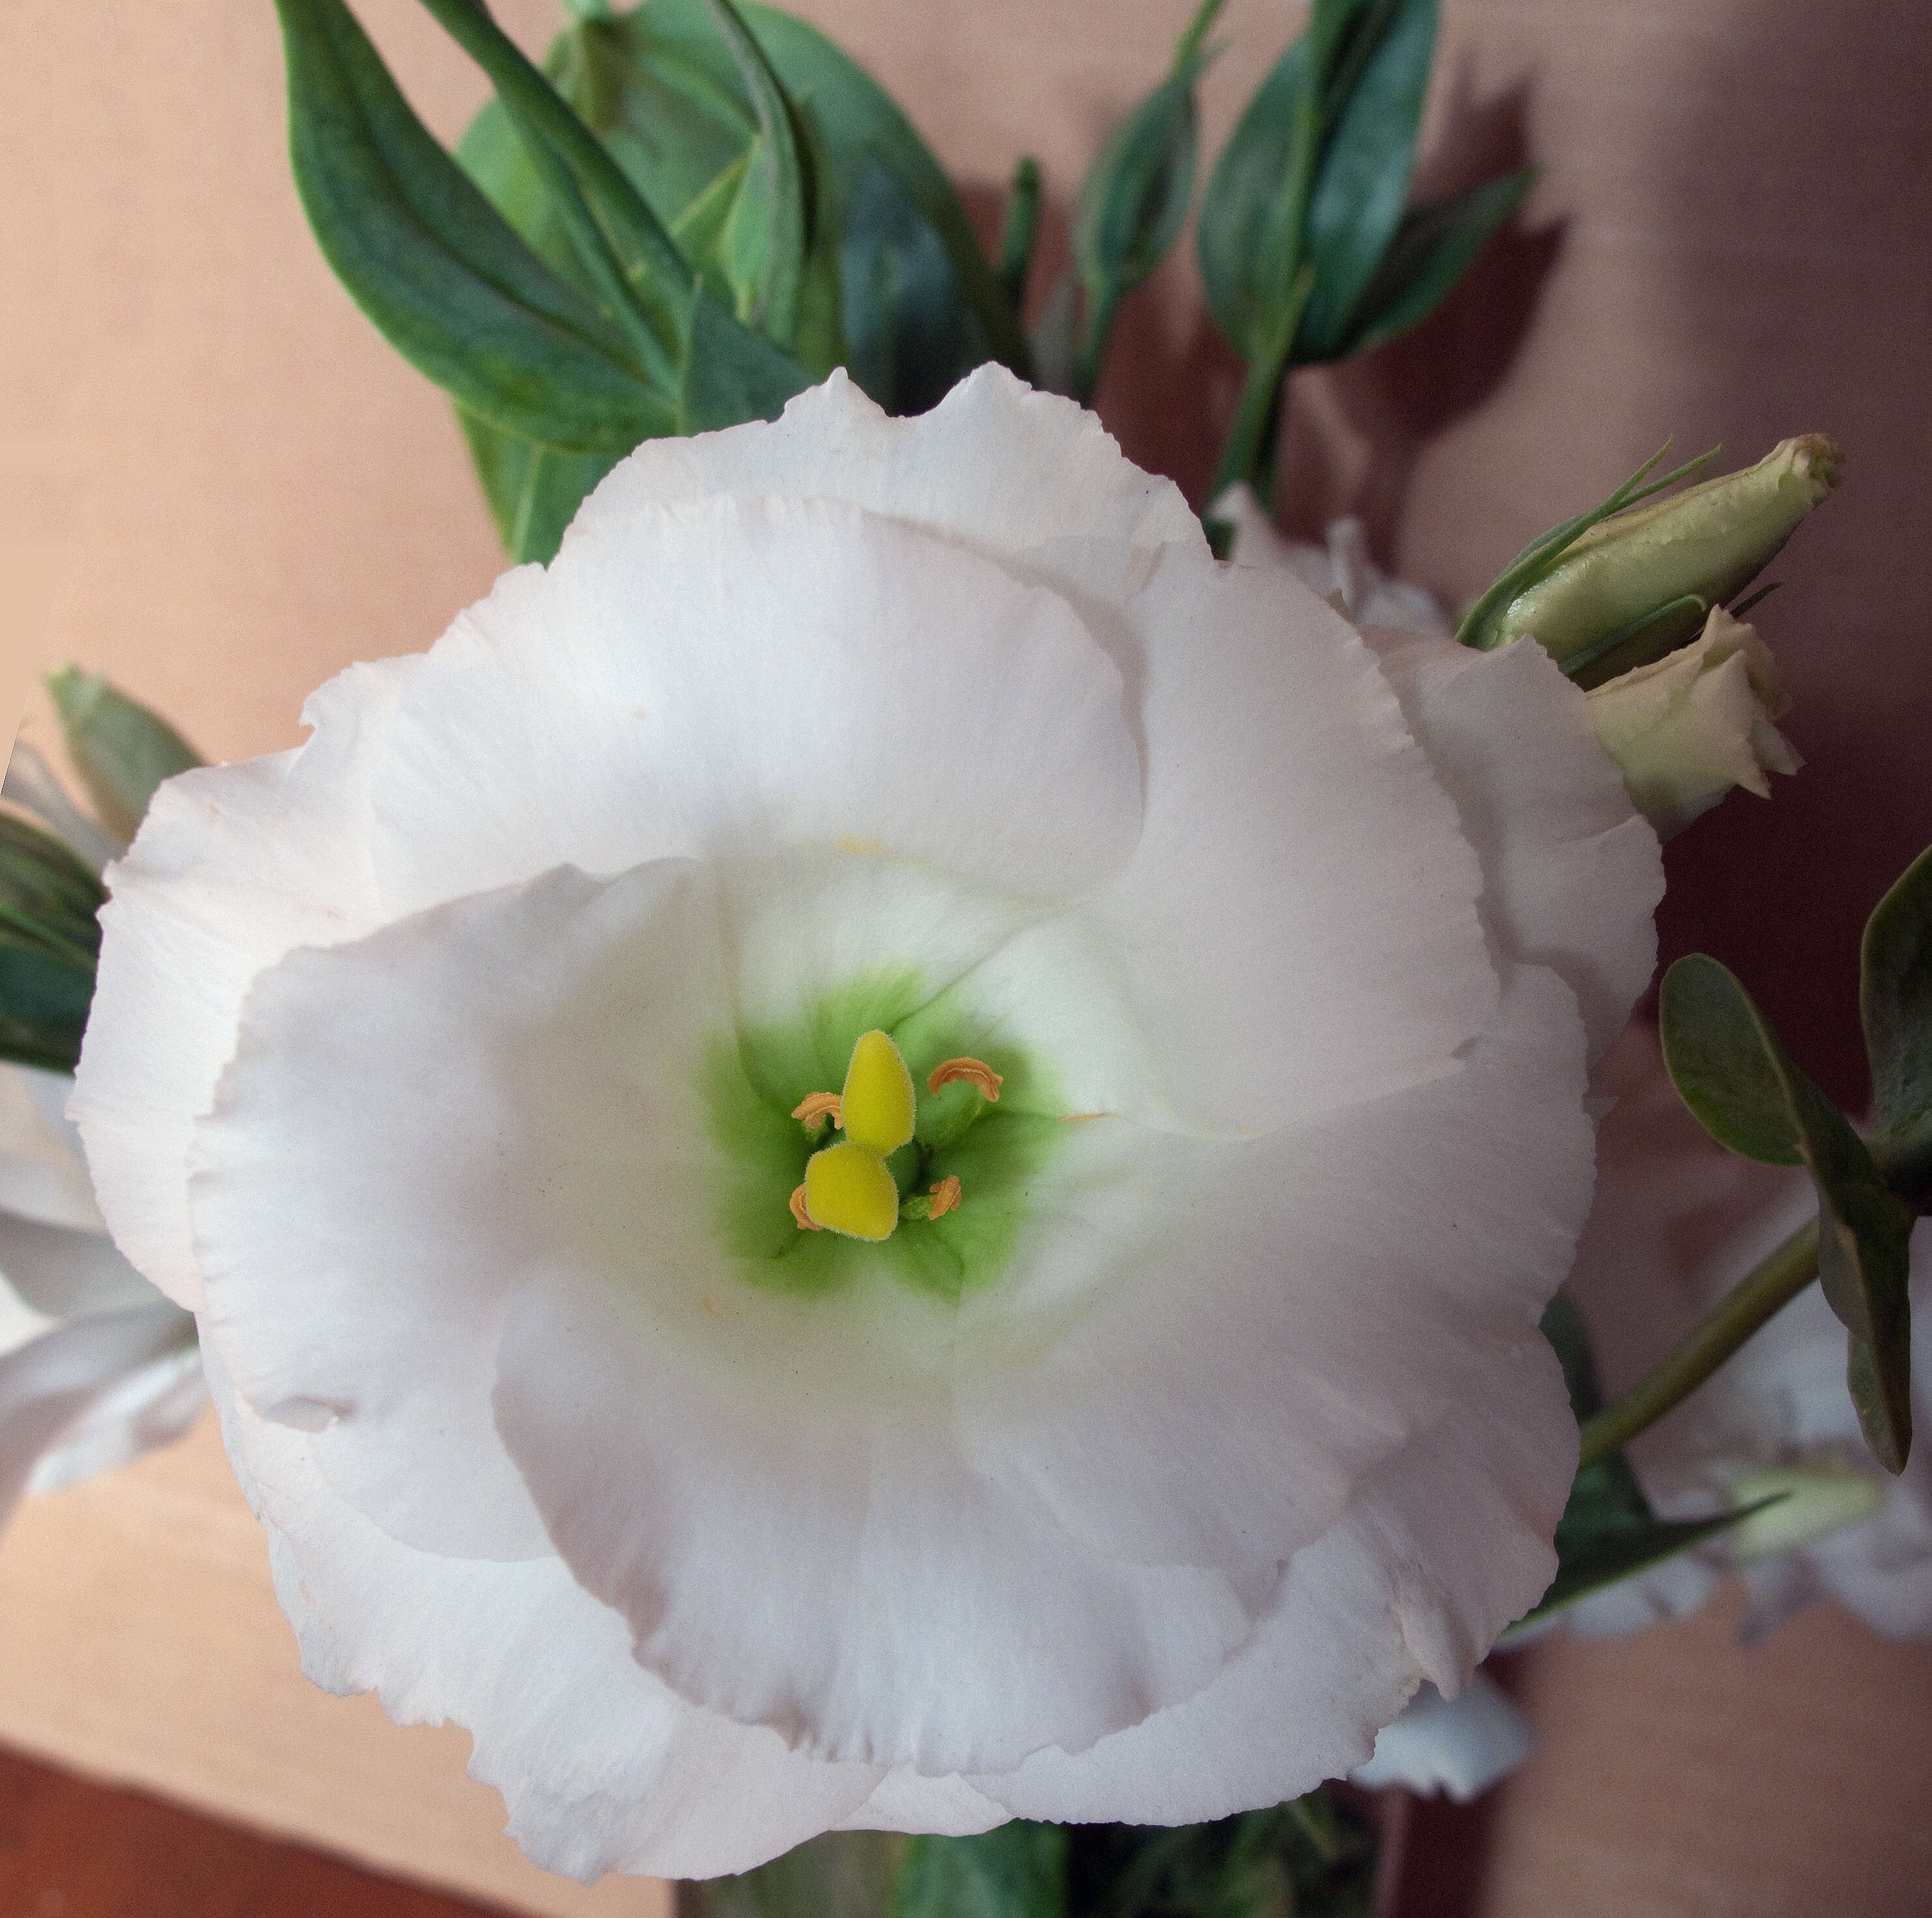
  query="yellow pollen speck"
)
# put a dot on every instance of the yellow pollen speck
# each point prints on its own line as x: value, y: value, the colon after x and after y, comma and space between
x: 1082, y: 1118
x: 975, y: 1072
x: 945, y: 1196
x: 806, y: 1223
x: 849, y: 842
x: 878, y: 1106
x: 816, y: 1107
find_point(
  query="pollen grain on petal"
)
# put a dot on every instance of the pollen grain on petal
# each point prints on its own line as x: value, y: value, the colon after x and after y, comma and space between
x: 976, y: 1072
x: 806, y: 1223
x: 945, y: 1196
x: 816, y: 1107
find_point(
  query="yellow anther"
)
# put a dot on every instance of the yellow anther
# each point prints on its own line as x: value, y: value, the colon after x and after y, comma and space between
x: 848, y: 1189
x: 815, y: 1108
x: 945, y: 1196
x: 806, y: 1223
x: 876, y: 1110
x: 975, y: 1072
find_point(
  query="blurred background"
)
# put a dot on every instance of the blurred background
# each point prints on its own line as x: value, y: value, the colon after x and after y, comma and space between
x: 218, y: 486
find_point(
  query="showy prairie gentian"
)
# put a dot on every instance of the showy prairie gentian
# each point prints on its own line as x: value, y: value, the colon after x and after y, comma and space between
x: 461, y: 1069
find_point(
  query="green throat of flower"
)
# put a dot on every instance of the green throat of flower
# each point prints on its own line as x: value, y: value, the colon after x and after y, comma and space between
x: 922, y: 1180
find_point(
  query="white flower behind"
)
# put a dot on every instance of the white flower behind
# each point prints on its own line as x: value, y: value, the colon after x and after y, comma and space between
x: 1145, y: 1483
x: 96, y: 1367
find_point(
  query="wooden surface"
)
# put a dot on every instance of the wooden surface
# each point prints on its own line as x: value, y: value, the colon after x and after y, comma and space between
x: 216, y: 484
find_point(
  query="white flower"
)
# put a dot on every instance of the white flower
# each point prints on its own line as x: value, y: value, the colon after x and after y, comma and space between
x: 1678, y: 1221
x: 96, y: 1367
x: 1459, y: 1746
x: 1341, y: 571
x: 446, y: 1067
x: 1689, y: 727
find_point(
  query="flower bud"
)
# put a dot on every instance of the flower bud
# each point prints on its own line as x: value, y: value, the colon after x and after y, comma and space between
x: 1638, y: 584
x: 1685, y: 729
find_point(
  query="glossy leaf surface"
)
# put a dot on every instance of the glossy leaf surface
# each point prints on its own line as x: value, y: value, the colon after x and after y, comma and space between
x: 1895, y: 999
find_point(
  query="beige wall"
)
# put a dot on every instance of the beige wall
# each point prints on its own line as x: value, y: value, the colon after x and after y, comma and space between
x: 216, y: 484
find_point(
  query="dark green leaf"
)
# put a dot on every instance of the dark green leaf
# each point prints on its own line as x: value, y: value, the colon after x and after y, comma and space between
x: 1361, y: 184
x: 1018, y: 231
x: 1570, y: 1339
x: 41, y: 880
x: 775, y: 234
x: 1895, y: 998
x: 1734, y: 1074
x: 1015, y: 1871
x: 1314, y: 1857
x: 1432, y: 249
x: 437, y: 270
x: 122, y: 749
x: 907, y: 330
x: 43, y: 1003
x: 731, y: 374
x: 1715, y: 1044
x: 842, y: 1874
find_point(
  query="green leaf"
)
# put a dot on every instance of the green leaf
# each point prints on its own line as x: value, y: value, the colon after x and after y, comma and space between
x: 1733, y: 1072
x: 841, y: 1874
x: 1315, y: 1857
x: 730, y: 374
x: 1019, y: 231
x: 1361, y: 185
x: 43, y: 1005
x: 439, y: 273
x: 1895, y: 999
x: 774, y: 234
x: 907, y: 329
x: 1015, y: 1871
x: 1134, y: 200
x: 1432, y: 249
x: 533, y: 491
x: 1715, y: 1043
x: 1570, y: 1339
x: 122, y: 749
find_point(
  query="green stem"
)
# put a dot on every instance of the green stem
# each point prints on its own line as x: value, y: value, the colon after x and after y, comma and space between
x: 1758, y: 1298
x: 1187, y: 50
x: 1249, y: 448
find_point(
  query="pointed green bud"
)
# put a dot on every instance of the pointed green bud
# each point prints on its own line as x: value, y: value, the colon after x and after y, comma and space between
x: 1814, y: 1500
x: 1635, y: 586
x: 121, y: 751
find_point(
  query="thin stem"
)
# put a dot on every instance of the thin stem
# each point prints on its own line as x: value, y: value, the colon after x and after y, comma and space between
x: 1758, y: 1297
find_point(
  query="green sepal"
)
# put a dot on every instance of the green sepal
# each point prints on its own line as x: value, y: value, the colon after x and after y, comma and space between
x: 1134, y: 199
x: 1432, y: 249
x: 1361, y: 185
x: 1608, y: 1532
x: 439, y: 273
x: 1895, y: 1001
x: 1733, y: 1070
x: 1015, y: 1871
x: 122, y: 749
x: 1479, y: 626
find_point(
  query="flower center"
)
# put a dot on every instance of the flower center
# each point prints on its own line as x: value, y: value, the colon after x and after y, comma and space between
x: 848, y: 1187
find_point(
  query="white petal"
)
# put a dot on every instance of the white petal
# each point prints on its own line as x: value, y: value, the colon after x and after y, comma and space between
x: 1297, y: 929
x: 800, y: 1544
x: 745, y: 676
x: 58, y: 1270
x: 1198, y: 1348
x: 994, y: 466
x: 410, y: 1123
x: 150, y: 1406
x: 1437, y: 1552
x: 50, y: 1386
x: 601, y: 1767
x: 232, y: 866
x: 1459, y: 1746
x: 1571, y: 871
